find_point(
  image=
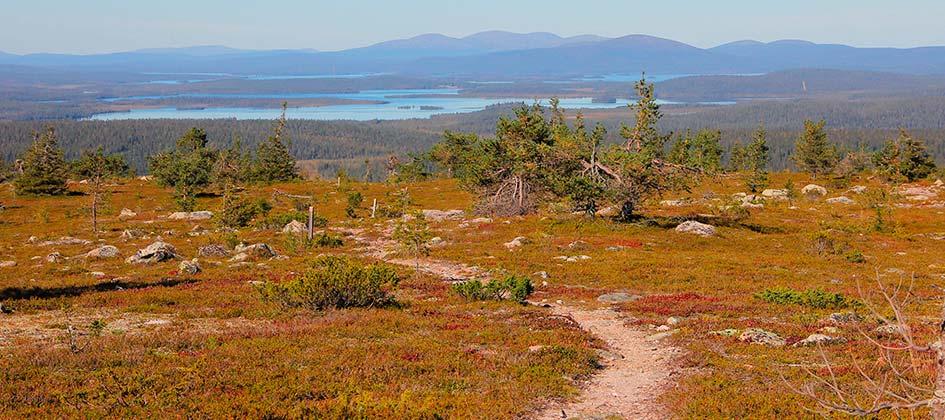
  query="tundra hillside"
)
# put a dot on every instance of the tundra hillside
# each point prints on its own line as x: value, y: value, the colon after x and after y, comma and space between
x: 206, y: 288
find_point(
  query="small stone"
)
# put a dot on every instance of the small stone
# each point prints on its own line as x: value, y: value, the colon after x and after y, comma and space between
x: 888, y: 331
x: 663, y: 328
x: 7, y: 264
x: 541, y: 274
x: 858, y: 189
x: 673, y: 320
x: 127, y: 214
x: 536, y: 349
x: 829, y: 330
x: 55, y: 258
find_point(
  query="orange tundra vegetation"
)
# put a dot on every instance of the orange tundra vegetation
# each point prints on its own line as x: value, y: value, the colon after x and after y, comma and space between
x: 90, y: 336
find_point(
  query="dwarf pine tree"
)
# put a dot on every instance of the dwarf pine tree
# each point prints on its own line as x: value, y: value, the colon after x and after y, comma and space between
x: 904, y: 159
x: 44, y: 168
x: 813, y: 152
x: 756, y: 161
x: 274, y: 162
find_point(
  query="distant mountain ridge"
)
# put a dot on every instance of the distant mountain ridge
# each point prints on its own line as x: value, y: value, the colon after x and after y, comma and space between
x: 509, y: 54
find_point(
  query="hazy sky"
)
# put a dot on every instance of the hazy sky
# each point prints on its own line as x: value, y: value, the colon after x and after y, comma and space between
x: 89, y: 26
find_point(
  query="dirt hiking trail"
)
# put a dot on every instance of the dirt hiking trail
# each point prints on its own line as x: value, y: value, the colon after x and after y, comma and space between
x: 637, y: 365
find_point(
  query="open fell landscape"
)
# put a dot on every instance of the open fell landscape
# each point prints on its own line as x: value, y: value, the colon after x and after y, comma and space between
x: 307, y: 210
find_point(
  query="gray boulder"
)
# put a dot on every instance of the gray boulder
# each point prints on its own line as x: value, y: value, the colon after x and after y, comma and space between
x: 761, y: 337
x: 154, y: 253
x: 441, y: 215
x: 190, y: 267
x: 819, y: 339
x: 695, y: 228
x: 295, y: 227
x: 256, y: 250
x: 213, y: 251
x: 194, y: 215
x: 814, y: 192
x: 840, y: 200
x: 102, y: 253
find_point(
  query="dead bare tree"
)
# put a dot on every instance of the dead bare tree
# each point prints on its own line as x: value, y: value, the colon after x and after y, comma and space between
x: 898, y: 379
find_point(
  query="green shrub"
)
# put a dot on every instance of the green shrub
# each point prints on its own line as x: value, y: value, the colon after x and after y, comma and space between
x: 511, y: 288
x: 335, y: 282
x: 239, y: 212
x: 814, y: 298
x: 855, y: 257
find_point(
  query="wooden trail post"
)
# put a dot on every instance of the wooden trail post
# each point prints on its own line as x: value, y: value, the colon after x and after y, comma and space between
x: 311, y: 222
x: 374, y: 208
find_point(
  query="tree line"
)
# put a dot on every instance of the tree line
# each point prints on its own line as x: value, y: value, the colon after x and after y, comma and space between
x: 538, y: 157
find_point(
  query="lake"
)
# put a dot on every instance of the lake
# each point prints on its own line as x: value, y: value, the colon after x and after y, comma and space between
x: 398, y: 104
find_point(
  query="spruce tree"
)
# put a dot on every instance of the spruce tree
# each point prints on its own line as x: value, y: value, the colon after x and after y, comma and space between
x: 904, y: 159
x: 274, y: 162
x: 756, y: 161
x: 44, y: 168
x: 813, y: 152
x: 188, y: 168
x: 707, y: 151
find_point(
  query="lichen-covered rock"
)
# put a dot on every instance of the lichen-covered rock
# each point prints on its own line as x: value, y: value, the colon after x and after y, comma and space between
x: 761, y: 337
x: 516, y: 243
x: 840, y: 200
x: 194, y: 215
x: 190, y: 267
x: 776, y: 194
x: 295, y: 227
x: 65, y: 241
x: 102, y: 253
x: 441, y: 215
x: 55, y: 258
x: 256, y: 250
x: 154, y: 253
x: 695, y: 228
x: 127, y: 214
x: 213, y: 251
x: 814, y: 192
x: 819, y: 339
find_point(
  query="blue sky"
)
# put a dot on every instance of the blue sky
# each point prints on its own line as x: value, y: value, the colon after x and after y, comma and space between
x: 90, y: 26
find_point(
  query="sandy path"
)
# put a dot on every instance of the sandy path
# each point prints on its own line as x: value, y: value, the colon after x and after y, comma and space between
x: 637, y: 365
x: 634, y: 375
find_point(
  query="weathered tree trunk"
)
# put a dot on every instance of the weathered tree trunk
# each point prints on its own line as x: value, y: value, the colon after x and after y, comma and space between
x: 94, y: 212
